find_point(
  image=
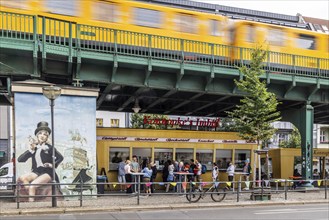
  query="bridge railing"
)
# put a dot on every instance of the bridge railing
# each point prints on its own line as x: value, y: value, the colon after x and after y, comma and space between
x: 83, y: 192
x: 50, y: 31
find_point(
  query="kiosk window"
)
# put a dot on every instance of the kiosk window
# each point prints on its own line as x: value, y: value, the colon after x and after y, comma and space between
x: 223, y: 158
x: 205, y: 157
x: 117, y: 154
x: 240, y: 157
x: 161, y: 155
x: 142, y: 153
x: 184, y: 154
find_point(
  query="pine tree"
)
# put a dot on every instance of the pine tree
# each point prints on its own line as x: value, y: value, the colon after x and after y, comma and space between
x: 258, y: 109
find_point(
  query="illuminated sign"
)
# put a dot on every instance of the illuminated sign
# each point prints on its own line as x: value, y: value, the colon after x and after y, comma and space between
x: 213, y: 123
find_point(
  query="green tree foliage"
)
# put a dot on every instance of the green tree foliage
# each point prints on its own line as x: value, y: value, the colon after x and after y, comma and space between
x: 294, y: 140
x: 137, y: 121
x: 226, y: 125
x: 258, y: 109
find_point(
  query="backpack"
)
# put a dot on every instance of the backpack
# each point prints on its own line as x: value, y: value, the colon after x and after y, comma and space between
x: 203, y: 169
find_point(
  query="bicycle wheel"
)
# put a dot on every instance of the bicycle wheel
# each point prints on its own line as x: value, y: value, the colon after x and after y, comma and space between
x: 218, y: 194
x: 194, y: 196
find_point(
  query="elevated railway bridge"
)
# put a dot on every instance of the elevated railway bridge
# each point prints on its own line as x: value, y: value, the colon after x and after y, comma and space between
x: 127, y: 66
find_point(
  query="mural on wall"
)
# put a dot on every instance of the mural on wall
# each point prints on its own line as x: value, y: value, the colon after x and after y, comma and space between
x: 75, y: 144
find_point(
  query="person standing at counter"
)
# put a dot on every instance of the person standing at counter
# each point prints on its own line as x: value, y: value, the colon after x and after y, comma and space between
x: 128, y: 176
x: 230, y: 173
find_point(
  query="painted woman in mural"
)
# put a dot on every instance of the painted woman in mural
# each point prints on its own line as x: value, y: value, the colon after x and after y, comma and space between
x: 40, y: 152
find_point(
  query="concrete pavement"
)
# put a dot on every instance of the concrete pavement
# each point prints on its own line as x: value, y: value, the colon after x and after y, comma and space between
x: 121, y: 202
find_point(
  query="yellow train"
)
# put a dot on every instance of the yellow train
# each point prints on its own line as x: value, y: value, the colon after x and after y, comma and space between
x: 204, y: 34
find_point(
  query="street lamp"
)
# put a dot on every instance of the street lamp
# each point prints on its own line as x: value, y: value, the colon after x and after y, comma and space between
x: 52, y: 92
x: 136, y: 107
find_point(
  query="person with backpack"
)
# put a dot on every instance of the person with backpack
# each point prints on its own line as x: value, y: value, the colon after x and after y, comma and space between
x: 154, y: 176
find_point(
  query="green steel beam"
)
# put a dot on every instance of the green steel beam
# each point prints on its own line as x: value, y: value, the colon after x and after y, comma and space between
x: 290, y: 87
x: 148, y: 72
x: 314, y: 89
x: 303, y: 119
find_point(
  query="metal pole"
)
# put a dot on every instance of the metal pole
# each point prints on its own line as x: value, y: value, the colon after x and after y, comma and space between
x: 53, y: 186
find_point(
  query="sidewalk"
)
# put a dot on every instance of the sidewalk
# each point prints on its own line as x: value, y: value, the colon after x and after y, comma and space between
x: 174, y: 201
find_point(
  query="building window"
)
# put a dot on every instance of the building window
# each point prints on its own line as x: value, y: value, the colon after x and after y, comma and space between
x: 282, y: 137
x: 184, y: 154
x: 223, y: 158
x: 240, y: 157
x: 147, y: 17
x: 99, y: 122
x: 161, y: 155
x: 117, y: 154
x: 105, y: 11
x: 115, y: 123
x: 216, y: 28
x: 62, y: 7
x: 205, y: 157
x: 186, y: 23
x: 322, y: 136
x: 306, y: 42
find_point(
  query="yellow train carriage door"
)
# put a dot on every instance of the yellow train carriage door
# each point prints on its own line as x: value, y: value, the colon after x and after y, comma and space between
x: 219, y: 37
x: 277, y: 41
x: 245, y: 38
x: 305, y: 51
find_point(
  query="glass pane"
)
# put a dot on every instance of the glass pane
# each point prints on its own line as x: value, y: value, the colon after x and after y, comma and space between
x: 106, y: 12
x: 161, y: 155
x: 306, y: 42
x: 205, y: 157
x: 142, y: 154
x: 19, y: 4
x: 186, y: 23
x: 147, y: 17
x: 250, y: 33
x: 276, y: 37
x: 184, y: 155
x: 117, y: 154
x: 240, y: 157
x: 62, y: 7
x: 223, y: 158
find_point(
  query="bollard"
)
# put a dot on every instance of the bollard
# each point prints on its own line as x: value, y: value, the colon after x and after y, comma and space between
x: 325, y: 188
x: 262, y: 189
x: 81, y: 187
x: 17, y: 194
x: 238, y: 191
x: 139, y: 188
x: 285, y: 190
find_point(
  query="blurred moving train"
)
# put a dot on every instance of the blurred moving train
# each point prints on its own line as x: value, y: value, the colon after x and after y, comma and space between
x: 290, y: 46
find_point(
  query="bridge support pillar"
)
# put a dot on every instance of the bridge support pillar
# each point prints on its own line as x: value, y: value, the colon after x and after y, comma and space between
x: 303, y: 119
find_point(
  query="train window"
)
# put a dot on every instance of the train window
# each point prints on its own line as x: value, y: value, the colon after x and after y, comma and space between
x: 216, y: 28
x: 276, y: 37
x: 186, y: 23
x: 147, y: 17
x: 306, y: 42
x: 106, y: 11
x: 250, y: 33
x: 62, y: 7
x: 19, y: 4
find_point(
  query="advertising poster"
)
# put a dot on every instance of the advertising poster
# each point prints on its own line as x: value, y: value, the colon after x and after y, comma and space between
x: 75, y: 144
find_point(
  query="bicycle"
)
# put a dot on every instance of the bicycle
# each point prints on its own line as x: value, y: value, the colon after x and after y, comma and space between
x: 217, y: 194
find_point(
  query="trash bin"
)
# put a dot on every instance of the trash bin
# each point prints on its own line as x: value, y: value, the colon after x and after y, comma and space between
x: 100, y: 187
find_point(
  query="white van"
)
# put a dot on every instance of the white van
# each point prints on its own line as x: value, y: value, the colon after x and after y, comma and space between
x: 6, y: 175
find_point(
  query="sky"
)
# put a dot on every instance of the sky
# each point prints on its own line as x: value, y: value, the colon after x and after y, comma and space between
x: 308, y: 8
